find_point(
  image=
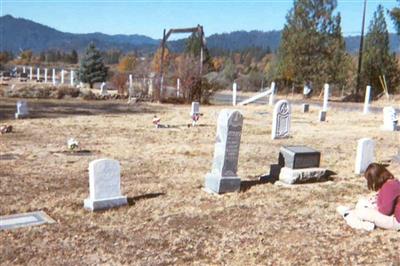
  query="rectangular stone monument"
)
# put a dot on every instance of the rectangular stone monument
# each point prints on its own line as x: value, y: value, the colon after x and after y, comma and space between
x: 281, y: 120
x: 322, y: 116
x: 326, y: 97
x: 272, y: 95
x: 104, y: 185
x: 234, y: 93
x: 223, y: 177
x: 367, y: 100
x: 22, y: 110
x: 195, y: 108
x: 298, y: 157
x: 365, y: 154
x: 390, y: 120
x: 306, y: 107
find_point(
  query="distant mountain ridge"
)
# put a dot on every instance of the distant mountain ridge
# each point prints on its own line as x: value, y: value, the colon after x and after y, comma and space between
x: 18, y: 34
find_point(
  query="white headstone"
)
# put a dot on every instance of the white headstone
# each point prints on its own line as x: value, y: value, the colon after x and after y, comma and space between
x: 272, y: 96
x: 367, y: 100
x: 30, y: 73
x: 38, y: 74
x: 234, y: 92
x: 326, y: 97
x: 223, y: 177
x: 104, y: 185
x: 22, y: 109
x: 365, y: 155
x: 72, y: 78
x: 195, y: 108
x: 103, y: 89
x: 62, y: 76
x: 281, y: 120
x: 54, y: 76
x: 390, y: 119
x: 45, y: 75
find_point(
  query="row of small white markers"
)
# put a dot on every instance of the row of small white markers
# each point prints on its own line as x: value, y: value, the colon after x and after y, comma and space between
x: 62, y: 74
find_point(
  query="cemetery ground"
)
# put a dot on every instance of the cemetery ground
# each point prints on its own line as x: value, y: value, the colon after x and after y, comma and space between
x: 170, y: 219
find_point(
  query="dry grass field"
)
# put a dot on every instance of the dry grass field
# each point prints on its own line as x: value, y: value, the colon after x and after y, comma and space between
x: 170, y: 220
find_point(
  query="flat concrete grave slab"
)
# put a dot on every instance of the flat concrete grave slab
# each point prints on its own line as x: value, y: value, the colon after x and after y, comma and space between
x: 298, y: 157
x: 24, y: 220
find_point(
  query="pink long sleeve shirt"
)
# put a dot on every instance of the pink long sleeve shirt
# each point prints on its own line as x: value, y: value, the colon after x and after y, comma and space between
x: 389, y: 198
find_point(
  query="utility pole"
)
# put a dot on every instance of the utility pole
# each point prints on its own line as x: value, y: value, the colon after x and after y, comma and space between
x: 360, y: 53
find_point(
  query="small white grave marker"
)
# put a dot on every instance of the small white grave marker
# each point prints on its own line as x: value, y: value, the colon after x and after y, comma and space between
x: 367, y: 100
x: 390, y: 119
x: 104, y: 185
x: 281, y: 120
x: 365, y: 155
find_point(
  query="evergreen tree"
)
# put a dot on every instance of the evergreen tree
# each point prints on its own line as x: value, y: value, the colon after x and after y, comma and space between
x: 74, y: 57
x: 396, y: 17
x: 193, y: 48
x: 312, y: 46
x: 92, y: 68
x: 378, y: 61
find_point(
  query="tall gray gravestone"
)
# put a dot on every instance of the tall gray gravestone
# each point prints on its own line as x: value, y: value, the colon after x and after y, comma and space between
x: 104, y: 185
x: 223, y: 177
x: 281, y: 120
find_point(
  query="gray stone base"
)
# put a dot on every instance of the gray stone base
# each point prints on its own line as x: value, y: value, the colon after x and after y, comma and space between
x: 298, y: 176
x: 104, y: 204
x: 219, y: 185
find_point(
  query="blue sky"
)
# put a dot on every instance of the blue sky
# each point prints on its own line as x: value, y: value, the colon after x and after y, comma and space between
x: 151, y: 17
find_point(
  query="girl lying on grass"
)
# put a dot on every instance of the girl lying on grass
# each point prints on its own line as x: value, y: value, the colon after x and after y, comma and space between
x: 382, y: 210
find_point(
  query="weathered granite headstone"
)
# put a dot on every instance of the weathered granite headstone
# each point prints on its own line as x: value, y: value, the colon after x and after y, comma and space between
x: 390, y: 119
x: 272, y: 96
x: 322, y: 116
x: 104, y: 185
x: 103, y: 89
x: 367, y: 100
x: 195, y: 108
x: 223, y: 177
x: 306, y: 107
x: 326, y: 97
x: 281, y: 120
x: 22, y: 110
x: 365, y: 154
x: 234, y: 93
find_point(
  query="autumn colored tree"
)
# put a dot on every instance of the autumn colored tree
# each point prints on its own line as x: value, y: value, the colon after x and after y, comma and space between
x: 127, y: 63
x: 156, y: 63
x: 119, y: 81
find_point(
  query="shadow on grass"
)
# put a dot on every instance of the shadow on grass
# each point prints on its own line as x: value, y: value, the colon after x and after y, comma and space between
x: 133, y: 200
x: 265, y: 179
x: 53, y: 108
